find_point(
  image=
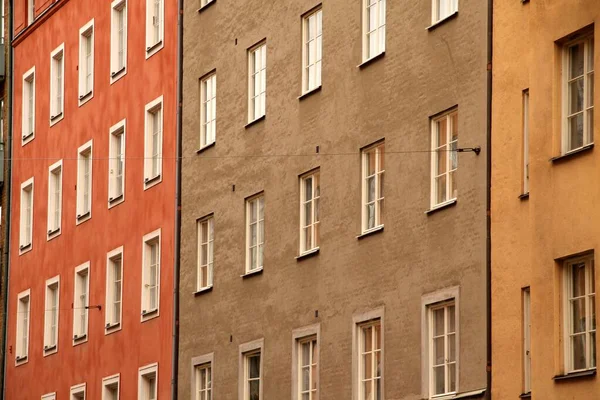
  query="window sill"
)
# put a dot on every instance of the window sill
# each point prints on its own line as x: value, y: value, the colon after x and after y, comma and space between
x: 204, y: 7
x: 370, y: 232
x: 25, y: 248
x: 112, y: 328
x: 85, y: 98
x: 572, y: 153
x: 576, y: 375
x: 152, y: 48
x: 207, y: 289
x: 55, y: 119
x: 20, y: 360
x: 150, y: 182
x: 442, y: 21
x: 525, y: 395
x: 79, y: 339
x: 48, y: 350
x: 252, y: 273
x: 83, y: 217
x: 148, y: 313
x: 371, y: 60
x: 204, y: 148
x: 27, y: 138
x: 113, y: 201
x: 308, y: 254
x: 441, y: 206
x: 53, y: 234
x: 256, y: 121
x: 310, y: 92
x: 524, y: 196
x: 115, y: 75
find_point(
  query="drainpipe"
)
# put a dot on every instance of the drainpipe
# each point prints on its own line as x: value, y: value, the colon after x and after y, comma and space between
x: 177, y: 249
x: 488, y: 200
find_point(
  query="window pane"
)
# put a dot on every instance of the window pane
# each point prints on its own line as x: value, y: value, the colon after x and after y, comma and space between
x: 438, y: 351
x: 576, y: 60
x: 451, y: 319
x: 578, y: 346
x: 578, y: 322
x: 438, y: 380
x: 578, y: 280
x: 576, y: 131
x: 367, y: 366
x: 452, y: 377
x: 254, y: 362
x: 576, y: 96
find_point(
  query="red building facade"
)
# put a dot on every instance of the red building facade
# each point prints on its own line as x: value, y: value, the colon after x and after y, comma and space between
x: 90, y: 304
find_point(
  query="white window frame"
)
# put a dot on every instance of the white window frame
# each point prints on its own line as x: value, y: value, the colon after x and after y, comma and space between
x: 449, y: 148
x: 49, y: 396
x: 23, y: 324
x: 81, y: 308
x: 77, y: 391
x: 26, y: 213
x: 203, y: 263
x: 116, y: 192
x: 246, y: 350
x: 300, y: 336
x: 526, y: 141
x: 587, y: 40
x: 84, y: 211
x: 208, y: 109
x: 259, y: 245
x: 86, y: 32
x: 377, y: 202
x: 30, y: 12
x: 147, y: 311
x: 117, y: 71
x: 49, y: 318
x: 436, y: 17
x: 54, y: 203
x: 314, y: 224
x: 151, y: 177
x: 526, y: 299
x: 113, y: 324
x: 57, y: 84
x: 199, y: 363
x: 153, y: 44
x: 144, y: 372
x: 313, y: 18
x: 28, y: 111
x: 204, y: 3
x: 360, y: 320
x: 111, y: 381
x: 260, y: 70
x: 379, y: 32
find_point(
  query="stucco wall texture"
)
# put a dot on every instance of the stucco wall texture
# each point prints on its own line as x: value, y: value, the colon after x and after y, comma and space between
x: 422, y: 73
x: 558, y: 219
x: 143, y: 211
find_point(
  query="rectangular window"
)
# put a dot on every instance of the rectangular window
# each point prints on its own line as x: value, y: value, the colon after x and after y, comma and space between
x: 442, y: 9
x: 57, y: 84
x: 28, y: 120
x: 110, y: 387
x: 312, y: 45
x: 30, y: 11
x: 442, y: 348
x: 373, y: 28
x: 86, y: 62
x: 257, y: 82
x: 205, y: 229
x: 22, y: 340
x: 526, y: 141
x: 373, y: 170
x: 252, y: 376
x: 580, y: 314
x: 208, y: 110
x: 151, y: 275
x: 203, y: 377
x: 118, y: 39
x: 81, y: 302
x: 116, y: 163
x: 444, y: 160
x: 578, y: 92
x: 51, y: 315
x: 114, y: 289
x: 526, y: 341
x: 310, y: 195
x: 154, y: 26
x: 370, y: 360
x: 255, y: 232
x: 148, y: 377
x: 307, y: 372
x: 54, y: 198
x: 84, y: 182
x: 78, y: 392
x: 26, y: 217
x: 153, y: 143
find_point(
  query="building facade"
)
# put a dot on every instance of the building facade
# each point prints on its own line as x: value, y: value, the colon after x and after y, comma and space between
x: 90, y: 305
x: 544, y: 194
x: 300, y: 274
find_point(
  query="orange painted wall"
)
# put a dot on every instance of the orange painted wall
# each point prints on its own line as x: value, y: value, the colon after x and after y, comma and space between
x: 136, y: 344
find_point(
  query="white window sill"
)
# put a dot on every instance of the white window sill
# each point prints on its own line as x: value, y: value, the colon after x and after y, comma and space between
x: 254, y: 272
x: 86, y: 97
x: 572, y: 153
x: 204, y: 7
x: 25, y: 248
x: 148, y: 315
x: 80, y: 339
x: 580, y: 374
x: 441, y: 21
x: 206, y: 147
x: 310, y: 92
x: 371, y: 60
x: 27, y: 138
x: 49, y: 350
x: 155, y: 48
x: 115, y: 201
x: 254, y: 122
x: 53, y: 234
x: 115, y: 76
x: 112, y: 328
x: 55, y: 119
x: 81, y: 218
x: 441, y: 206
x: 308, y: 253
x: 370, y: 232
x: 150, y: 182
x: 21, y: 360
x: 203, y: 290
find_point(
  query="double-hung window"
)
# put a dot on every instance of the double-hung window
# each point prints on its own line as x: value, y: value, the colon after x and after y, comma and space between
x: 110, y: 387
x: 22, y: 341
x: 151, y: 275
x: 114, y: 289
x: 28, y: 118
x: 51, y: 311
x: 205, y: 229
x: 84, y: 182
x: 30, y: 11
x: 153, y: 143
x: 255, y: 232
x: 526, y: 141
x: 148, y: 378
x: 116, y: 163
x: 579, y: 314
x: 57, y: 84
x: 257, y: 82
x: 86, y: 62
x: 312, y: 45
x: 578, y: 92
x: 444, y: 160
x: 154, y: 26
x: 208, y: 109
x: 442, y: 9
x: 442, y: 348
x: 77, y: 392
x: 203, y: 381
x: 310, y: 195
x: 373, y: 28
x: 118, y: 39
x: 370, y: 360
x: 252, y: 376
x: 81, y: 302
x: 373, y: 171
x: 308, y: 375
x: 26, y: 217
x: 54, y: 198
x: 526, y: 340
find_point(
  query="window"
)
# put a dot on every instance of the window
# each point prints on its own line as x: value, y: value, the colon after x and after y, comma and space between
x: 203, y: 377
x: 81, y: 302
x: 28, y: 120
x: 257, y: 84
x: 310, y: 195
x: 84, y: 182
x: 442, y: 9
x: 205, y: 229
x: 373, y: 169
x: 307, y: 368
x: 116, y: 164
x: 151, y: 275
x: 154, y: 26
x: 54, y: 198
x: 444, y: 160
x: 442, y: 348
x: 78, y: 392
x: 526, y: 141
x: 114, y: 289
x: 22, y: 337
x: 250, y: 373
x: 86, y: 62
x: 148, y: 377
x: 312, y: 50
x: 26, y: 224
x: 110, y: 387
x: 153, y: 147
x: 49, y: 396
x: 118, y: 39
x: 208, y: 110
x: 578, y: 87
x: 57, y: 84
x: 369, y: 364
x: 205, y: 2
x: 51, y: 316
x: 373, y: 28
x: 579, y: 314
x: 255, y: 233
x: 526, y: 341
x: 30, y: 11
